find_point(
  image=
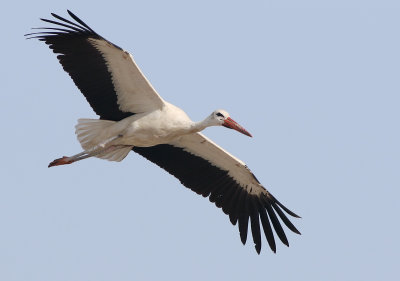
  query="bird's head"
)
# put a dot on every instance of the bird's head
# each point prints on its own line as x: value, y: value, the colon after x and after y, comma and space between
x: 221, y: 118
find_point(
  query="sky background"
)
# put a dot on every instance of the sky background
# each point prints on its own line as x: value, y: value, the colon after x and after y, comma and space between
x: 315, y: 82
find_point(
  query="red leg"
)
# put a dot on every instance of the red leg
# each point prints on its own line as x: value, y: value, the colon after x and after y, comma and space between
x: 61, y: 161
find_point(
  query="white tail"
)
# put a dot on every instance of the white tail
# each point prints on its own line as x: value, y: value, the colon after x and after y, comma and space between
x: 92, y: 132
x: 118, y: 154
x: 95, y: 132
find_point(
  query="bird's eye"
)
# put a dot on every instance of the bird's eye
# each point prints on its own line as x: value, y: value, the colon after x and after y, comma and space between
x: 220, y: 114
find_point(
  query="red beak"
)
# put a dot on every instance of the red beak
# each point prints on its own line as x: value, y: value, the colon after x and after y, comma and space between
x: 230, y: 123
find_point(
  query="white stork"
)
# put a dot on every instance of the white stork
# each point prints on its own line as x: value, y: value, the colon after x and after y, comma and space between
x: 134, y: 117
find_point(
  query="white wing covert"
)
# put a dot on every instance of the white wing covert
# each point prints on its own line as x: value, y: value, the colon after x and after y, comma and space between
x: 134, y: 92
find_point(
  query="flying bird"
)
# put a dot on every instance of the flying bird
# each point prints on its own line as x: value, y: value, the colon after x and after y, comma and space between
x: 133, y: 116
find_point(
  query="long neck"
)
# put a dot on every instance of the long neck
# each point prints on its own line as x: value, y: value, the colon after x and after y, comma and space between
x: 201, y: 125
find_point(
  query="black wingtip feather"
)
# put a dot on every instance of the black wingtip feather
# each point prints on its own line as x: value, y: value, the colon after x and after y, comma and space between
x: 267, y: 229
x: 277, y: 226
x: 244, y: 222
x: 255, y: 224
x: 232, y: 219
x: 284, y: 208
x: 285, y: 220
x: 243, y: 216
x: 243, y: 228
x: 77, y: 29
x: 80, y: 21
x: 68, y: 21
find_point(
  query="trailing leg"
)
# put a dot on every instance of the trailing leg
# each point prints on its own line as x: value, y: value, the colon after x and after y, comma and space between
x: 105, y: 150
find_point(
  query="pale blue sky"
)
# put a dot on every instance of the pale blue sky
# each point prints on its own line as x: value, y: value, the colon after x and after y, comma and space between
x: 315, y: 82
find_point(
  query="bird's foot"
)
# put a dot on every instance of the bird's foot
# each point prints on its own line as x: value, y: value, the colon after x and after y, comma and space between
x: 61, y: 161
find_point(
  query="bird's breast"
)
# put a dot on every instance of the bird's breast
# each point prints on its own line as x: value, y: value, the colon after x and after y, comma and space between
x: 153, y: 129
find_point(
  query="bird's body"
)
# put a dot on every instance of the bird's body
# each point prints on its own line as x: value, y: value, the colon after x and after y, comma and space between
x: 149, y: 128
x: 134, y: 117
x: 156, y: 127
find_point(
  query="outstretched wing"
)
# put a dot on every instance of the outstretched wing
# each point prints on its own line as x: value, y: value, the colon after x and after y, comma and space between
x: 106, y: 75
x: 207, y: 169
